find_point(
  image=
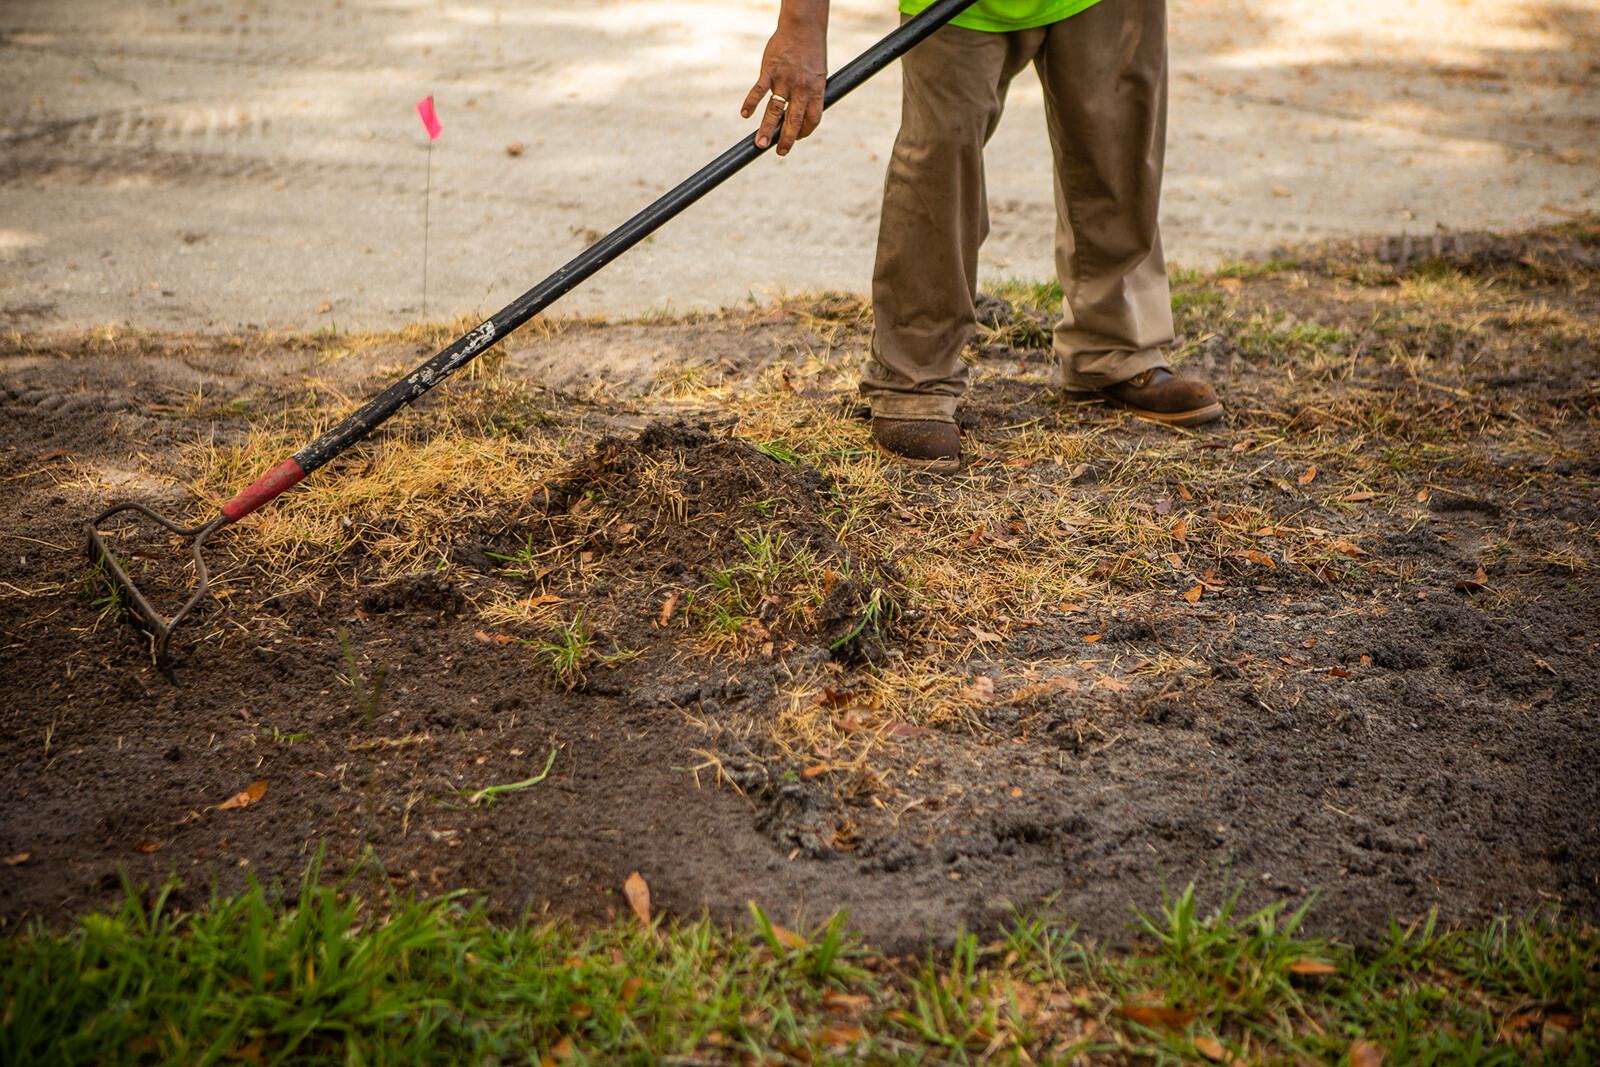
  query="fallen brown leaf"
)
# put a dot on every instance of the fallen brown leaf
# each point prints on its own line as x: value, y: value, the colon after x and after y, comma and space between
x: 324, y: 307
x: 489, y: 639
x: 515, y: 149
x: 1180, y: 530
x: 1312, y: 967
x: 667, y: 608
x: 1112, y: 684
x: 1363, y: 1054
x: 981, y: 691
x: 143, y: 1043
x: 638, y: 894
x: 1307, y: 475
x: 1154, y: 1018
x: 149, y: 846
x: 842, y: 1035
x: 834, y: 1000
x: 630, y: 988
x: 17, y: 859
x: 1193, y: 595
x: 1356, y: 498
x: 820, y: 768
x: 836, y: 698
x: 1478, y: 581
x: 246, y: 798
x: 1212, y: 1049
x: 1231, y: 286
x: 1107, y: 568
x: 787, y: 938
x: 985, y: 635
x: 904, y: 729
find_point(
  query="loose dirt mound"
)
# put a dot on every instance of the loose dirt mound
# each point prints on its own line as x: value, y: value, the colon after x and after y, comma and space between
x: 681, y: 518
x: 1345, y: 642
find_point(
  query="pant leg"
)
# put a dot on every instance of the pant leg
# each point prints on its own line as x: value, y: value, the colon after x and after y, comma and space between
x: 935, y: 216
x: 1104, y: 73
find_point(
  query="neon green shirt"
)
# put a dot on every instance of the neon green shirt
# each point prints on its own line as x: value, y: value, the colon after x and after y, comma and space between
x: 1002, y: 16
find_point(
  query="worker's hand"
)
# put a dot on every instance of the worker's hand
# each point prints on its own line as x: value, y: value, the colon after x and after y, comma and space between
x: 794, y: 69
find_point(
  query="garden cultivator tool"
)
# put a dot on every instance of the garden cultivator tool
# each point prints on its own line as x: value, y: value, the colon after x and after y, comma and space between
x: 408, y: 389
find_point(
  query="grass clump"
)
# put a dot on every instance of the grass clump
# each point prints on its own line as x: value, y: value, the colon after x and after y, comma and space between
x: 777, y: 582
x: 570, y: 647
x: 323, y: 977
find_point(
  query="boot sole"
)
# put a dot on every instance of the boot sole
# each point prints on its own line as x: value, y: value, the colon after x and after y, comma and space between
x: 1194, y: 417
x: 930, y: 466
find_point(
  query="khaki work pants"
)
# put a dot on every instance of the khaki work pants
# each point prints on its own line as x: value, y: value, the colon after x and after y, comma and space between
x: 1104, y: 73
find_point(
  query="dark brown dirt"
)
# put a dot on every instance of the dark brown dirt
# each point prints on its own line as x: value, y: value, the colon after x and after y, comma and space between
x: 1394, y: 731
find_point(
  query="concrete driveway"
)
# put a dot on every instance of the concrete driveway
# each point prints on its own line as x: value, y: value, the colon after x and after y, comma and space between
x: 197, y: 165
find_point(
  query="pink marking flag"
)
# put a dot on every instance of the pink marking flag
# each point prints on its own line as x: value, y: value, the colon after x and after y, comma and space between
x: 430, y: 118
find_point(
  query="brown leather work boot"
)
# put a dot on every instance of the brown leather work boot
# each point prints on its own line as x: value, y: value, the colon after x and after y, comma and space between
x: 1163, y: 396
x: 933, y: 445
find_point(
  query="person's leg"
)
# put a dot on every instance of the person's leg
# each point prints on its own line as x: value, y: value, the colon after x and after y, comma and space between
x: 935, y: 217
x: 1104, y: 73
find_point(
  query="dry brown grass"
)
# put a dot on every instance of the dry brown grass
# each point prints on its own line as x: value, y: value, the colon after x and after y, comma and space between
x: 1357, y: 400
x: 396, y: 498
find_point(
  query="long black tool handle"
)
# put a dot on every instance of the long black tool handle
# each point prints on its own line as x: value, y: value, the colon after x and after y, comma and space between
x: 592, y: 259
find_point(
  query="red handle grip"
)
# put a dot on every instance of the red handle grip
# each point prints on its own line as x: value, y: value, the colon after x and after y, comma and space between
x: 266, y: 487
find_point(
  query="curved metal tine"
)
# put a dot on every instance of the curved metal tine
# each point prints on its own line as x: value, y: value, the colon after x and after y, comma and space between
x: 155, y: 516
x: 201, y: 533
x: 160, y: 626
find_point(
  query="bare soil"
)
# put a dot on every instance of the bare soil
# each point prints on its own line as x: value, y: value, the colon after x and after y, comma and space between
x: 1359, y: 660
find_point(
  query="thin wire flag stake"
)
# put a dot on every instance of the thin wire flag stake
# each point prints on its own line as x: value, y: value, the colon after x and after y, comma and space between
x: 430, y: 122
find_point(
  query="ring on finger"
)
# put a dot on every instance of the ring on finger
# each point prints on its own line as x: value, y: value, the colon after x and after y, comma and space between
x: 782, y: 101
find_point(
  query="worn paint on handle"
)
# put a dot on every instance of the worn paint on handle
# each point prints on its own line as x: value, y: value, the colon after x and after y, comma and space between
x: 266, y: 487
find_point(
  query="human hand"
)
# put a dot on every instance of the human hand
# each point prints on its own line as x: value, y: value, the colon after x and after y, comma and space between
x: 794, y: 71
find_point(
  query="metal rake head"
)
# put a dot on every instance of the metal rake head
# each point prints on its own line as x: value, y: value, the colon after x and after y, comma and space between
x: 159, y: 625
